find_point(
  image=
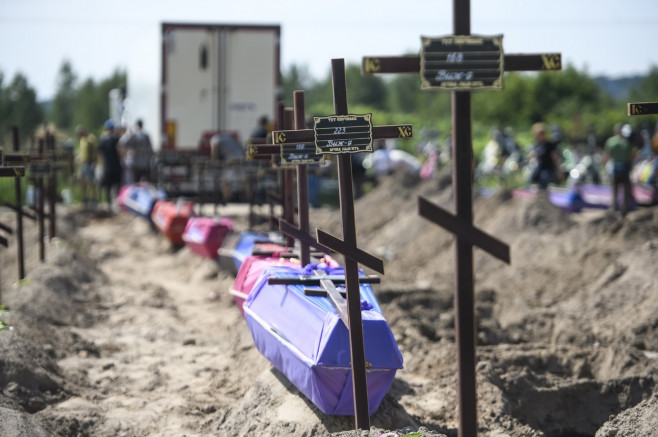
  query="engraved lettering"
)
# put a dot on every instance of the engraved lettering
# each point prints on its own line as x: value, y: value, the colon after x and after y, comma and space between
x: 371, y: 65
x: 444, y: 75
x: 279, y: 137
x: 340, y: 143
x: 404, y: 131
x: 551, y: 62
x: 455, y: 57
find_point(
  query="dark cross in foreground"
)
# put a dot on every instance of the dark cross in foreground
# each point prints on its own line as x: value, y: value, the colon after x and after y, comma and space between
x: 461, y: 63
x: 343, y: 134
x: 645, y: 108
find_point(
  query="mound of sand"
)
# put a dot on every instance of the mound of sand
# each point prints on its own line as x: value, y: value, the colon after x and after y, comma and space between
x: 120, y: 334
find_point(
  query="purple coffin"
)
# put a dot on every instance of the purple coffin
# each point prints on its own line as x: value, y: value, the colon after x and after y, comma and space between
x: 205, y: 235
x: 305, y: 339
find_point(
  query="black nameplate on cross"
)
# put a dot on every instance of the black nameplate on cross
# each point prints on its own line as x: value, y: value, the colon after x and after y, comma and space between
x: 462, y: 71
x: 644, y: 108
x: 348, y: 245
x: 458, y: 62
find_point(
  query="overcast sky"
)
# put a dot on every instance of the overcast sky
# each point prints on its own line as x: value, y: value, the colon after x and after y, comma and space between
x: 603, y: 37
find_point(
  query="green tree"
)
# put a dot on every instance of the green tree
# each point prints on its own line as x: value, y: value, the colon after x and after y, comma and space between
x: 18, y: 103
x: 296, y: 78
x: 91, y: 107
x: 63, y: 105
x: 647, y: 89
x: 365, y: 90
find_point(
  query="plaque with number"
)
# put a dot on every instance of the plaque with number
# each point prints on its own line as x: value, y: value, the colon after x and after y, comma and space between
x: 337, y: 134
x: 462, y: 62
x: 303, y: 153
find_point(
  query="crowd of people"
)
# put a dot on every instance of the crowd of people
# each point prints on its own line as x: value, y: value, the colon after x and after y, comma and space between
x: 119, y: 156
x: 552, y: 160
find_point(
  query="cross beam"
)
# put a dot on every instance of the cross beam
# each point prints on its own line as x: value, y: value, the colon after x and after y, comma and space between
x: 467, y: 231
x: 348, y: 245
x: 466, y: 235
x: 411, y: 63
x: 644, y: 108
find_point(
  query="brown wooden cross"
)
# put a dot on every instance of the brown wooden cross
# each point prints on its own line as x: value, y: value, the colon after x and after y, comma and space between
x: 644, y: 108
x: 280, y: 154
x: 461, y: 63
x: 342, y: 134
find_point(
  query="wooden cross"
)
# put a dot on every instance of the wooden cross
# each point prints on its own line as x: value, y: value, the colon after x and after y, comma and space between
x: 278, y: 153
x: 258, y: 149
x: 645, y: 108
x: 461, y: 63
x: 343, y: 134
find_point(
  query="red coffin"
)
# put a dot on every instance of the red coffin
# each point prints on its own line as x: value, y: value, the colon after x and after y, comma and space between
x: 204, y: 235
x: 171, y: 218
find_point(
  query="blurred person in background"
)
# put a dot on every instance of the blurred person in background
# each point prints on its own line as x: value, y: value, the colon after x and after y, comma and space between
x: 138, y: 154
x: 108, y: 148
x: 545, y: 157
x: 619, y: 151
x: 86, y: 161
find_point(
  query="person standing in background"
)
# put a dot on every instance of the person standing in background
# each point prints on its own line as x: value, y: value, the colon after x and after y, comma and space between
x: 112, y: 171
x: 86, y: 161
x: 138, y: 153
x: 619, y: 151
x: 546, y: 156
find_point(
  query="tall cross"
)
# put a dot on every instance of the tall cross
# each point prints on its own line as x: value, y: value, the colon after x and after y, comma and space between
x: 461, y: 63
x: 343, y: 134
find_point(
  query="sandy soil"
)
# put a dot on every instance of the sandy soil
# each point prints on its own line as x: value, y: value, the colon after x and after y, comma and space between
x: 117, y: 334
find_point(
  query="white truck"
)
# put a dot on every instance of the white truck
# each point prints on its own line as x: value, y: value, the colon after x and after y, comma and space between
x: 217, y: 78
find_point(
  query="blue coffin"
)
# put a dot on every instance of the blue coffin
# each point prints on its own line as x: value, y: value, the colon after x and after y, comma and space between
x: 139, y: 199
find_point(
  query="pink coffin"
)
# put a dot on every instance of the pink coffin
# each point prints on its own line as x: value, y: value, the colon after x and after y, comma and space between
x: 249, y: 273
x: 205, y: 235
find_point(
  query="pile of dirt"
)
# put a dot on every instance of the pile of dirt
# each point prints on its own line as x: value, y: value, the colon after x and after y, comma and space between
x: 118, y: 333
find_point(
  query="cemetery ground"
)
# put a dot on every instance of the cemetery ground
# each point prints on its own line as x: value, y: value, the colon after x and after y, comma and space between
x: 119, y: 335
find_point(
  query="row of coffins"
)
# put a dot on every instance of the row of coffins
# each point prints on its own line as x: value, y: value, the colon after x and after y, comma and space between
x: 293, y: 322
x: 594, y: 196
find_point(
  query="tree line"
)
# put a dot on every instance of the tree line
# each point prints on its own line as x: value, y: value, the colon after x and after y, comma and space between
x: 75, y: 103
x: 570, y: 99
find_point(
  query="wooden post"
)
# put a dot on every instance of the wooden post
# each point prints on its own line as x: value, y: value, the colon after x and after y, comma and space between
x: 52, y: 188
x: 18, y: 200
x: 302, y: 180
x: 40, y: 205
